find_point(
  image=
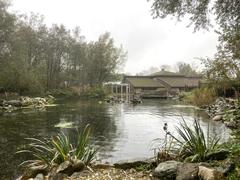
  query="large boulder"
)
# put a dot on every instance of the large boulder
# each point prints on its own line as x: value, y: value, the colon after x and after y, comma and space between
x: 187, y: 171
x: 217, y: 118
x: 128, y: 164
x: 205, y: 173
x: 32, y: 172
x: 166, y: 170
x: 39, y: 177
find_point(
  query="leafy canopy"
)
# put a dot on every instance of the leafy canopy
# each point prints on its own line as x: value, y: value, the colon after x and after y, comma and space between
x: 225, y: 12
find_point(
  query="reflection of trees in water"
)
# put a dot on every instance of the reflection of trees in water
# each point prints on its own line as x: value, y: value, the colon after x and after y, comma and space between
x: 97, y: 115
x: 106, y: 120
x: 13, y: 131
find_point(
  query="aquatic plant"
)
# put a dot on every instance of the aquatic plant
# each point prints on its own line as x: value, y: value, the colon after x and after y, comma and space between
x: 193, y: 142
x: 58, y: 149
x: 164, y: 147
x: 190, y: 142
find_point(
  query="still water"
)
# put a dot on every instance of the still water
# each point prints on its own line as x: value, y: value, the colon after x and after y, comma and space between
x: 121, y: 131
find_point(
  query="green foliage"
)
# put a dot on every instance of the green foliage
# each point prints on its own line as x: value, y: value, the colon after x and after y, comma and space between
x: 199, y: 12
x: 96, y: 92
x: 144, y: 167
x: 58, y: 149
x: 194, y: 142
x: 202, y: 96
x: 234, y: 147
x: 232, y: 114
x: 190, y: 144
x: 186, y: 69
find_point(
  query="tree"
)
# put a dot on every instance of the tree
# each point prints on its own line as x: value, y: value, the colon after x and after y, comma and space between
x: 186, y: 69
x: 35, y: 58
x: 200, y: 12
x: 104, y: 59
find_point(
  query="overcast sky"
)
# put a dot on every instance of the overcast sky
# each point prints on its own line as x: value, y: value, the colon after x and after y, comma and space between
x: 149, y: 42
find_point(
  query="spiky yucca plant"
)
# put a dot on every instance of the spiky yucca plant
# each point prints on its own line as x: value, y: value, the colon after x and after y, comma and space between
x: 58, y: 149
x: 193, y: 141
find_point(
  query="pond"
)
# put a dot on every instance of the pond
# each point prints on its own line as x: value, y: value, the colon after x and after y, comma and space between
x: 121, y: 131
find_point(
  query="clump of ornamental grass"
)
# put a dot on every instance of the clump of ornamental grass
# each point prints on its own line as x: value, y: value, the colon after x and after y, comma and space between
x: 190, y: 142
x: 194, y: 142
x: 48, y: 152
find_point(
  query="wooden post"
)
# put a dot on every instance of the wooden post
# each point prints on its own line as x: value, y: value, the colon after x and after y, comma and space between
x: 121, y: 89
x: 127, y: 92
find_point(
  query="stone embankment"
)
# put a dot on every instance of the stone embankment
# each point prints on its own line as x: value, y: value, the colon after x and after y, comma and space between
x: 129, y: 170
x: 226, y: 110
x: 25, y: 102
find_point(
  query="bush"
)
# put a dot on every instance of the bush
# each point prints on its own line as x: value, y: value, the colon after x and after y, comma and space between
x: 96, y: 92
x: 202, y: 96
x: 58, y: 149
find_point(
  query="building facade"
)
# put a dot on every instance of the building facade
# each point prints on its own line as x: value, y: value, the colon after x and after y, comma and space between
x: 162, y: 84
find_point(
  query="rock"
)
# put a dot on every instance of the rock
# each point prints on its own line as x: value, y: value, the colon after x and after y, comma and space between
x: 218, y: 155
x: 39, y: 177
x: 128, y: 164
x: 226, y: 168
x: 32, y: 172
x: 190, y: 159
x: 231, y: 125
x: 166, y: 170
x: 204, y: 164
x: 58, y: 176
x: 50, y: 97
x: 69, y: 168
x: 217, y: 118
x: 77, y: 175
x: 16, y: 103
x: 102, y: 166
x: 187, y: 171
x: 205, y: 173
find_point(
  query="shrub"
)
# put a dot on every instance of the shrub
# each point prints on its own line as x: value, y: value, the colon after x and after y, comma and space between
x: 96, y: 92
x: 58, y: 149
x: 202, y: 96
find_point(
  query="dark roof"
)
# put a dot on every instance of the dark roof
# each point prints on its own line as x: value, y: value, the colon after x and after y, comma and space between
x: 174, y: 81
x: 144, y: 82
x: 167, y: 81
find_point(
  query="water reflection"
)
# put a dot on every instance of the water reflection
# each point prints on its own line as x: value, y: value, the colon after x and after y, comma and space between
x: 122, y: 131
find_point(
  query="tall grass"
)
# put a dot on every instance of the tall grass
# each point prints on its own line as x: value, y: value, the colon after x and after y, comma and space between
x: 58, y: 149
x: 202, y: 96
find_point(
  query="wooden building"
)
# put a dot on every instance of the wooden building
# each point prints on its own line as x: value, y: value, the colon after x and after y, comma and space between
x: 162, y: 84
